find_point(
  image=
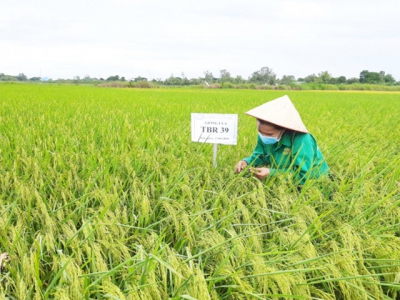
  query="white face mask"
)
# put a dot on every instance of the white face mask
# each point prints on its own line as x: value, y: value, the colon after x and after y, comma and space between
x: 267, y: 140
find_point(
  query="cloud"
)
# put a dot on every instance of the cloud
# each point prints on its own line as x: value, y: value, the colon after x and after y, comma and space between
x: 131, y: 38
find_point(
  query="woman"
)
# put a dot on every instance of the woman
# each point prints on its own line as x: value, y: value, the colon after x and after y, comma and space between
x: 283, y: 144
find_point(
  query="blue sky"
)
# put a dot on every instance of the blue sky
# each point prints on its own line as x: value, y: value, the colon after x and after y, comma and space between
x: 154, y: 39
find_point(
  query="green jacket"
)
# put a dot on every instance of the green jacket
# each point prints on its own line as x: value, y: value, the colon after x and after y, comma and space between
x: 295, y: 152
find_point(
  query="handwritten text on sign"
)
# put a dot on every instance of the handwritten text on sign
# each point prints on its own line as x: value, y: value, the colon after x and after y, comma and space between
x: 214, y: 128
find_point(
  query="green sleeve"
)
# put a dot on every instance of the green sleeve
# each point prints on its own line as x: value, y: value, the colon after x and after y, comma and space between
x: 304, y: 151
x: 258, y: 157
x: 306, y: 159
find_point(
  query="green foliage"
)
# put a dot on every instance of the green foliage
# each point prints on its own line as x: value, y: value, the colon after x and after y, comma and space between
x: 341, y: 79
x: 115, y: 84
x: 139, y: 79
x: 352, y: 80
x: 176, y: 81
x: 388, y: 79
x: 143, y: 84
x: 311, y: 78
x: 225, y: 77
x: 373, y: 77
x: 228, y: 85
x: 324, y: 77
x: 22, y: 77
x: 287, y: 79
x: 4, y: 77
x: 264, y: 76
x: 208, y: 76
x: 376, y: 78
x: 112, y: 78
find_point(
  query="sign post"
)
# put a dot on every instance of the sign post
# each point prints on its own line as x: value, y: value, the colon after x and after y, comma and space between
x: 214, y: 129
x: 215, y: 155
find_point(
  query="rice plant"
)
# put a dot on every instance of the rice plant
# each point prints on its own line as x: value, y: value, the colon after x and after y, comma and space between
x: 103, y: 195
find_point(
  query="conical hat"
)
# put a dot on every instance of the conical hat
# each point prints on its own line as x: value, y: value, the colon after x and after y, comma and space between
x: 280, y: 112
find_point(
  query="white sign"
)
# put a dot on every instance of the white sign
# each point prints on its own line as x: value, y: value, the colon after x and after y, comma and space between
x: 214, y: 128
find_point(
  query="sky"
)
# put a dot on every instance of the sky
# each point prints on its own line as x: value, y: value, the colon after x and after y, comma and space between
x: 157, y: 39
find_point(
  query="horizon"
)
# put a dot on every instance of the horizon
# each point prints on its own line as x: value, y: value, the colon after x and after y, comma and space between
x: 163, y: 79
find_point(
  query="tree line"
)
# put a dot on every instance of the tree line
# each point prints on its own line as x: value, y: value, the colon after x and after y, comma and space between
x: 264, y: 76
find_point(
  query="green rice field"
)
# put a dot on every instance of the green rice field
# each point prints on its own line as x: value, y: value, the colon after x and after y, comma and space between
x: 104, y: 196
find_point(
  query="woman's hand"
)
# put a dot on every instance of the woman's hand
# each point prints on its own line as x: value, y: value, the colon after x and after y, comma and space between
x: 260, y: 173
x: 240, y: 166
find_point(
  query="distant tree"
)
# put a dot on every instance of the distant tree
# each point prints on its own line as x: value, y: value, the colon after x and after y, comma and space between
x: 208, y: 76
x: 300, y: 79
x: 388, y: 79
x: 122, y: 78
x: 113, y: 78
x: 5, y: 77
x: 362, y: 75
x: 88, y: 79
x: 195, y: 81
x: 352, y: 80
x: 373, y: 77
x: 264, y: 76
x: 76, y: 80
x: 333, y: 80
x: 225, y: 76
x: 324, y: 77
x: 287, y: 79
x: 140, y: 78
x: 239, y: 80
x: 22, y: 77
x: 154, y: 80
x: 172, y: 80
x: 35, y: 79
x: 341, y: 79
x: 311, y: 78
x: 185, y: 81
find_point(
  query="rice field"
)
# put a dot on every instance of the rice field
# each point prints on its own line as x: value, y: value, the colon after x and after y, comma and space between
x: 104, y: 196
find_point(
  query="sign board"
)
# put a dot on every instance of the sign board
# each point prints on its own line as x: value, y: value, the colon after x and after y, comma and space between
x: 214, y: 128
